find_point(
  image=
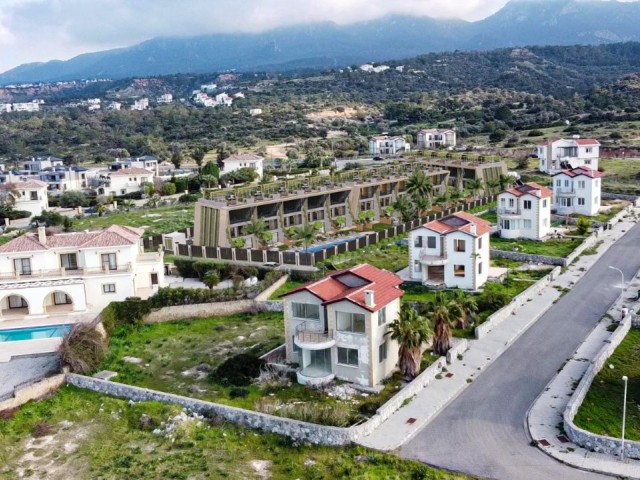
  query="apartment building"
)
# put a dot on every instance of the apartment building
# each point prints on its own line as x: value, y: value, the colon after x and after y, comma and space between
x: 337, y: 327
x: 44, y: 274
x: 524, y: 211
x: 221, y: 217
x: 559, y: 154
x: 577, y: 191
x: 148, y: 162
x: 436, y: 138
x: 386, y: 145
x: 452, y: 252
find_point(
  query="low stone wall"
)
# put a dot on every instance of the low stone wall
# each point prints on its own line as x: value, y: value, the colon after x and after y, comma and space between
x: 588, y: 243
x: 33, y: 392
x: 588, y: 440
x: 505, y: 312
x: 526, y: 257
x: 302, y: 431
x: 264, y: 295
x: 618, y: 196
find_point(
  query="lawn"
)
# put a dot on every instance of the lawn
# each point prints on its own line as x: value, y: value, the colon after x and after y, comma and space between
x: 550, y: 248
x: 604, y: 217
x: 288, y: 285
x: 601, y: 411
x: 386, y: 255
x: 81, y: 434
x: 154, y: 220
x: 491, y: 216
x: 176, y: 358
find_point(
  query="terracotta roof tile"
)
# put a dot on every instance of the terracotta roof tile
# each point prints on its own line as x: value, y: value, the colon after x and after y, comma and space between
x: 581, y: 170
x: 459, y: 222
x: 24, y: 184
x: 530, y: 189
x: 124, y: 172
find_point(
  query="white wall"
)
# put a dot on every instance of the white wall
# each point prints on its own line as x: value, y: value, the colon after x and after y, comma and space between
x: 590, y: 192
x: 538, y: 215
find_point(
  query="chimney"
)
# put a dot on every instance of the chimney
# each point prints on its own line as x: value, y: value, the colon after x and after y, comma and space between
x: 368, y: 298
x: 42, y: 235
x: 474, y: 230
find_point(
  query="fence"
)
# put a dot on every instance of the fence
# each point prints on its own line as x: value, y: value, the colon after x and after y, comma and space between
x: 309, y: 259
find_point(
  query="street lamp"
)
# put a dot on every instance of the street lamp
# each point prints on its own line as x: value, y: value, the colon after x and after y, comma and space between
x: 621, y: 277
x: 624, y: 415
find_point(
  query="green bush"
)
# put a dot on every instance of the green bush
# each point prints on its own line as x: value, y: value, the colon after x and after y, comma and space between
x: 130, y: 311
x: 188, y: 198
x: 492, y: 299
x: 169, y: 188
x: 238, y: 371
x: 185, y: 267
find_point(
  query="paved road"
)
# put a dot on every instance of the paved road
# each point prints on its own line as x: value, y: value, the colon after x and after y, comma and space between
x: 482, y: 432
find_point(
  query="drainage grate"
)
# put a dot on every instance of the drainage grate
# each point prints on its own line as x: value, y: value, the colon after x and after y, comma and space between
x: 562, y: 439
x: 411, y: 421
x: 544, y: 443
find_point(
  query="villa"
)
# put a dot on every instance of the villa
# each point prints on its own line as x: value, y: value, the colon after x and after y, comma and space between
x: 124, y: 181
x: 44, y: 274
x: 452, y: 252
x: 243, y: 160
x: 577, y: 191
x: 27, y: 195
x: 337, y: 327
x: 386, y: 145
x: 524, y: 211
x: 434, y: 138
x: 564, y: 154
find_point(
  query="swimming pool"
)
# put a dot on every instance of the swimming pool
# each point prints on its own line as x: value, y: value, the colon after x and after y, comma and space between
x: 34, y: 333
x: 324, y: 246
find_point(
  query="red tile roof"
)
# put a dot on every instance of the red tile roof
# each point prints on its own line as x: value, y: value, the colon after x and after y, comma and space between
x: 114, y: 236
x: 124, y: 172
x: 530, y: 188
x: 331, y: 289
x: 578, y: 141
x: 244, y: 157
x: 24, y: 184
x: 581, y: 170
x: 459, y: 222
x: 587, y: 141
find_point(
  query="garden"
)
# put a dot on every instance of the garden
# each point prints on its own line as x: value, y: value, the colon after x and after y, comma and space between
x: 81, y: 434
x: 553, y: 247
x: 391, y: 254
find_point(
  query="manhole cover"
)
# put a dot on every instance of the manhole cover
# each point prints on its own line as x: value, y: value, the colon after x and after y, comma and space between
x: 544, y: 443
x: 449, y: 375
x: 563, y: 439
x: 411, y: 421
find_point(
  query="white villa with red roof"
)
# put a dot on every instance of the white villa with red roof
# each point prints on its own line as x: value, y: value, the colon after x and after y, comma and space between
x: 243, y: 160
x: 451, y: 252
x: 524, y: 211
x: 577, y: 191
x: 337, y: 327
x: 126, y: 180
x: 28, y: 195
x: 44, y: 274
x: 563, y: 154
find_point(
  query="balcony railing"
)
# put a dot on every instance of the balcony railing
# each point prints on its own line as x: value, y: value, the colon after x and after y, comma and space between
x: 509, y: 211
x: 428, y: 258
x: 564, y: 191
x: 311, y: 332
x: 64, y: 272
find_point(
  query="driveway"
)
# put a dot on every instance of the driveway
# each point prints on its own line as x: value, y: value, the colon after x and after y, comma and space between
x: 482, y: 432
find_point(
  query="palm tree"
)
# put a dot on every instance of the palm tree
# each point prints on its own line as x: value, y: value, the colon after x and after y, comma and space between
x: 127, y: 205
x: 466, y: 307
x: 420, y: 185
x: 411, y: 331
x: 422, y: 204
x: 307, y: 234
x: 493, y: 186
x: 405, y: 208
x: 257, y: 228
x: 475, y: 185
x: 505, y: 181
x: 455, y: 195
x: 444, y: 313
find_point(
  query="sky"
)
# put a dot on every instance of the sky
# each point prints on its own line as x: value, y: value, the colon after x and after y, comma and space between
x: 42, y: 30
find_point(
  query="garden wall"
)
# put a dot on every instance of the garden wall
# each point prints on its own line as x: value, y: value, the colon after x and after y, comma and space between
x: 519, y: 300
x: 526, y: 257
x: 618, y: 196
x: 588, y: 440
x: 33, y: 391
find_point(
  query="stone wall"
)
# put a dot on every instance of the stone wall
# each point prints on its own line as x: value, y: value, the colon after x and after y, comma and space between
x: 264, y: 295
x: 33, y: 392
x: 505, y: 312
x: 526, y: 257
x: 618, y: 196
x: 588, y: 440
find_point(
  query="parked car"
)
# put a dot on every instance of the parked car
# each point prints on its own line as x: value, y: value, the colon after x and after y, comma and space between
x: 270, y: 264
x: 377, y: 159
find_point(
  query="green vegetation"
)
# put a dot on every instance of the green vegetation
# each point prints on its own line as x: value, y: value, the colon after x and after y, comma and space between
x: 550, y: 248
x: 288, y: 285
x: 385, y: 254
x: 491, y: 216
x: 607, y: 215
x: 154, y: 220
x: 601, y: 411
x: 94, y: 436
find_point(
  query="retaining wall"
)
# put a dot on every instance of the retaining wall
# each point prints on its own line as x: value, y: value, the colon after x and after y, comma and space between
x: 519, y: 300
x: 526, y: 257
x: 588, y: 440
x: 33, y: 392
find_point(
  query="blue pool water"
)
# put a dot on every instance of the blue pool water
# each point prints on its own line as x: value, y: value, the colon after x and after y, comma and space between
x: 324, y: 246
x: 34, y: 333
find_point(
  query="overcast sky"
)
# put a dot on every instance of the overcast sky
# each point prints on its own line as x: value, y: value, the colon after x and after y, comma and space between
x: 41, y: 30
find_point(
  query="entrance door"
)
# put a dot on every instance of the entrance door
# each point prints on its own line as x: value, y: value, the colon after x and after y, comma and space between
x: 154, y: 279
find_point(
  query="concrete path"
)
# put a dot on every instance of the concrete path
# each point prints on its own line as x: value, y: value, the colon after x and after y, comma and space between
x: 24, y: 369
x: 545, y: 415
x: 482, y: 433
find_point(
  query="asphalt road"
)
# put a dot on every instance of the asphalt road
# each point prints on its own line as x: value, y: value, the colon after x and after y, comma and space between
x: 482, y: 432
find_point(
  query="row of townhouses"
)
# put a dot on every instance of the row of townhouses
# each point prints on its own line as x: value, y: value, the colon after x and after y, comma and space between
x: 427, y: 138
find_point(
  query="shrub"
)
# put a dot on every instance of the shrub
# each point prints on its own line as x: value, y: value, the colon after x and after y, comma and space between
x: 238, y: 392
x: 202, y: 267
x: 238, y: 371
x: 337, y: 414
x: 185, y: 267
x: 73, y: 199
x: 583, y: 225
x: 169, y: 188
x: 83, y: 349
x: 51, y: 219
x: 211, y: 278
x: 130, y: 311
x: 273, y: 378
x: 535, y: 133
x: 492, y: 300
x: 188, y: 198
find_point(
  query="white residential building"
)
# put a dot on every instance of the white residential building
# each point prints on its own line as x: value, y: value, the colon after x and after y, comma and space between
x: 114, y: 106
x: 148, y: 162
x: 61, y: 179
x: 243, y: 160
x: 93, y: 104
x: 208, y: 87
x: 337, y: 327
x: 165, y: 98
x: 29, y: 195
x: 38, y: 164
x: 435, y: 137
x: 452, y: 251
x: 33, y: 106
x: 255, y: 111
x: 524, y: 211
x: 577, y: 191
x: 5, y: 107
x: 559, y: 154
x: 224, y: 99
x: 127, y: 180
x: 44, y: 274
x: 386, y: 145
x: 141, y: 104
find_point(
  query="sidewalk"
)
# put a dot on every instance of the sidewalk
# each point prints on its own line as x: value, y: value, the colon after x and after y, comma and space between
x: 547, y: 411
x: 426, y: 405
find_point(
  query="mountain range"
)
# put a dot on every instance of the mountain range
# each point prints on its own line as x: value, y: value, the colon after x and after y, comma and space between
x: 326, y: 45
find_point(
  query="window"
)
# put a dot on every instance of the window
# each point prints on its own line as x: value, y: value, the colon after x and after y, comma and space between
x: 382, y: 352
x: 417, y: 242
x: 566, y: 183
x: 596, y: 200
x: 22, y: 266
x: 16, y: 301
x: 480, y: 268
x: 502, y: 202
x: 34, y: 195
x: 458, y: 270
x: 382, y: 316
x: 581, y: 184
x: 69, y: 261
x: 581, y: 201
x: 479, y: 243
x: 109, y: 288
x: 61, y: 298
x: 459, y: 245
x: 416, y: 266
x: 506, y: 224
x: 350, y: 322
x: 587, y: 161
x: 511, y: 202
x: 431, y: 241
x: 109, y: 261
x: 545, y: 222
x: 526, y: 224
x: 544, y: 203
x: 296, y: 348
x: 558, y: 183
x: 348, y: 356
x: 527, y: 204
x: 588, y: 150
x: 308, y: 311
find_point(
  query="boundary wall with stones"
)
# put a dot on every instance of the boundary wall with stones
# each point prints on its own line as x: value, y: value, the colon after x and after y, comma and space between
x: 583, y: 438
x: 33, y: 391
x: 519, y: 300
x: 588, y: 242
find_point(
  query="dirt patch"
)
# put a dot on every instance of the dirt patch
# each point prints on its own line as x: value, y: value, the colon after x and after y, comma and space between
x: 261, y: 468
x: 349, y: 112
x: 279, y: 150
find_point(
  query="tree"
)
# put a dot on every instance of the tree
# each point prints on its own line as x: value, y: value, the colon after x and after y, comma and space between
x: 466, y: 308
x: 257, y: 228
x: 209, y: 181
x: 176, y: 158
x: 169, y: 188
x: 306, y: 234
x: 497, y: 136
x: 67, y: 224
x: 127, y: 205
x: 101, y: 209
x: 198, y: 157
x: 73, y: 199
x: 420, y: 185
x: 422, y: 204
x: 493, y: 186
x: 340, y: 222
x: 212, y: 169
x: 411, y: 332
x: 583, y: 225
x: 475, y: 185
x: 455, y: 195
x: 505, y: 181
x: 405, y: 208
x: 211, y: 278
x: 443, y: 313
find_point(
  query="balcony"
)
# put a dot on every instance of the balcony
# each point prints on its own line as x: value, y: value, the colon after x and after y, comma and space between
x: 311, y: 336
x: 432, y: 260
x: 509, y: 212
x: 34, y: 275
x: 150, y: 257
x: 564, y: 192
